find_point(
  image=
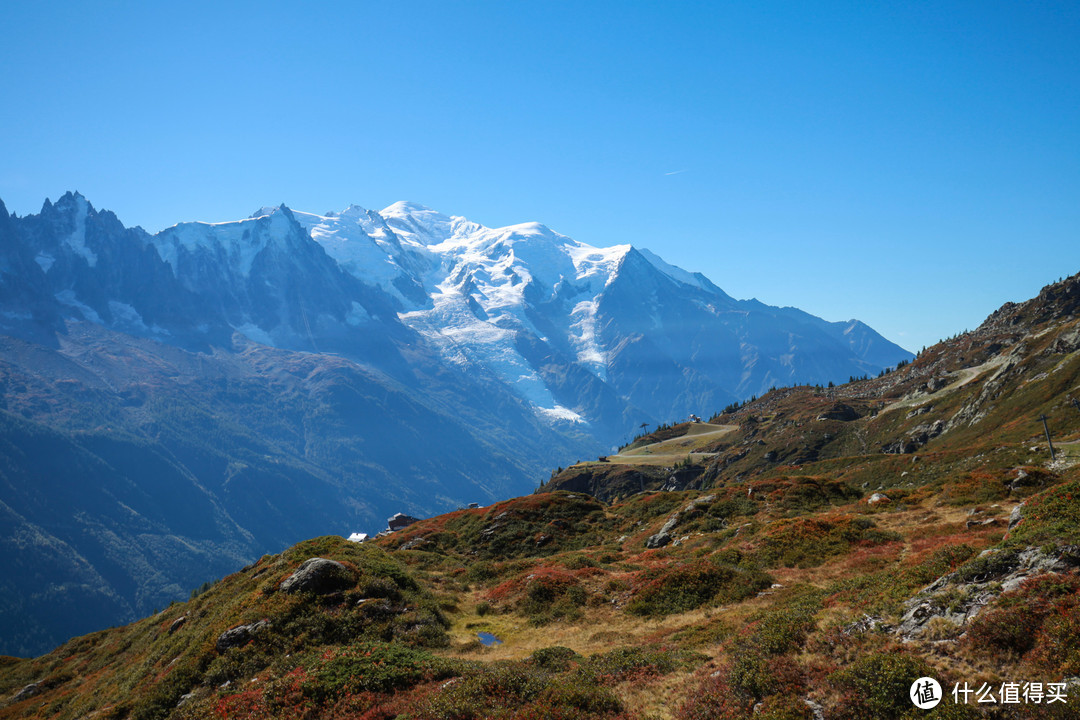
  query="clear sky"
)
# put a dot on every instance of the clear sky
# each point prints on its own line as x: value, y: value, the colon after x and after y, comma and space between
x: 913, y: 165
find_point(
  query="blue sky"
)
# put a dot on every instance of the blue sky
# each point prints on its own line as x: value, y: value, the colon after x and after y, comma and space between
x: 914, y: 165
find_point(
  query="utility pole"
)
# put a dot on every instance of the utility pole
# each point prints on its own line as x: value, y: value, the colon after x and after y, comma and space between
x: 1049, y: 442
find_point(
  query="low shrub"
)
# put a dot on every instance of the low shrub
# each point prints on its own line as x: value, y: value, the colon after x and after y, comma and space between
x: 1051, y: 517
x: 715, y: 699
x: 555, y: 658
x: 1040, y: 620
x: 680, y: 588
x: 808, y: 542
x: 877, y: 686
x: 975, y: 488
x: 520, y: 690
x: 636, y: 662
x: 374, y: 667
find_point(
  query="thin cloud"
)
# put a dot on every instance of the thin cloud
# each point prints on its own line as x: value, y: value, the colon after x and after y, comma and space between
x: 674, y: 172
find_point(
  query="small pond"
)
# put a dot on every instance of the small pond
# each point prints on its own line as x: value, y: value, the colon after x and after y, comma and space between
x: 488, y: 639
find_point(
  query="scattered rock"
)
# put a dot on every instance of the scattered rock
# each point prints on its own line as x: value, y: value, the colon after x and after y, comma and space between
x: 978, y: 583
x: 864, y: 624
x: 935, y: 384
x: 839, y: 411
x: 177, y: 624
x: 877, y: 499
x: 817, y: 709
x: 664, y: 537
x: 320, y: 576
x: 699, y: 503
x: 899, y: 447
x: 240, y: 636
x: 1016, y: 516
x: 658, y: 540
x: 27, y: 692
x: 413, y: 544
x: 1065, y: 343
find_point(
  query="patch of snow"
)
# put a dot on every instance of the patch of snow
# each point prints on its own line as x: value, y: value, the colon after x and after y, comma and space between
x: 597, y: 264
x: 126, y: 316
x: 237, y: 243
x: 77, y: 240
x: 67, y: 297
x: 560, y: 413
x: 675, y: 273
x: 45, y: 261
x: 361, y: 244
x: 256, y: 333
x: 584, y: 336
x: 357, y: 315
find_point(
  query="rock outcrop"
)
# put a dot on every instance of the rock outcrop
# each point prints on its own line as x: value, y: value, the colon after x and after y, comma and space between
x: 320, y: 576
x: 977, y: 583
x: 664, y: 537
x: 240, y: 636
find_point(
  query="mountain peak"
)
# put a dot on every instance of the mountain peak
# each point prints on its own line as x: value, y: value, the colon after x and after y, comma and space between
x: 268, y: 210
x: 69, y: 202
x: 406, y: 207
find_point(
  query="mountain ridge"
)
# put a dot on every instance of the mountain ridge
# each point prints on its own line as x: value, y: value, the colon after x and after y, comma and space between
x: 811, y: 553
x: 296, y: 387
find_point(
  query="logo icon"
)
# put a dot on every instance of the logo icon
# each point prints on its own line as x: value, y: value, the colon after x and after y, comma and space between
x: 925, y: 693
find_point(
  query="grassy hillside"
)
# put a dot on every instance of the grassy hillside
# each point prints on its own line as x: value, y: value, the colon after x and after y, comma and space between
x: 810, y: 557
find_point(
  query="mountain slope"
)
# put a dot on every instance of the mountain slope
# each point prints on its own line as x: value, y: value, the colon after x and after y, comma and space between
x: 813, y: 568
x: 230, y: 388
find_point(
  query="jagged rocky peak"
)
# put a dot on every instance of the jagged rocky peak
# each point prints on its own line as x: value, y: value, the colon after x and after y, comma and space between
x: 630, y: 333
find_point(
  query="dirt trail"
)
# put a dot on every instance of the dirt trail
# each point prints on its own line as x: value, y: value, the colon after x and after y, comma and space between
x: 669, y: 452
x: 962, y: 377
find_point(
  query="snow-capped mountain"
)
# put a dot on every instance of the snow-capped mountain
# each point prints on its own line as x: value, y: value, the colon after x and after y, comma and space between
x: 173, y: 405
x: 602, y: 337
x: 522, y: 300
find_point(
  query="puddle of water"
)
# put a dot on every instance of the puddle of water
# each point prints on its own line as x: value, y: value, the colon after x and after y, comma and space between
x: 488, y: 639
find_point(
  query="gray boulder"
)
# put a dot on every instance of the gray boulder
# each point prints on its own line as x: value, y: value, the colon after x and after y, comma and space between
x: 177, y: 624
x: 664, y: 537
x: 320, y: 576
x: 658, y: 540
x: 1016, y: 516
x: 240, y: 636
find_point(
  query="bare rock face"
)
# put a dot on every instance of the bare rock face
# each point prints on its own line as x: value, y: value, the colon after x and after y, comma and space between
x: 840, y: 411
x: 658, y: 540
x: 1016, y: 516
x: 664, y: 537
x: 320, y: 576
x: 978, y: 583
x: 240, y: 636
